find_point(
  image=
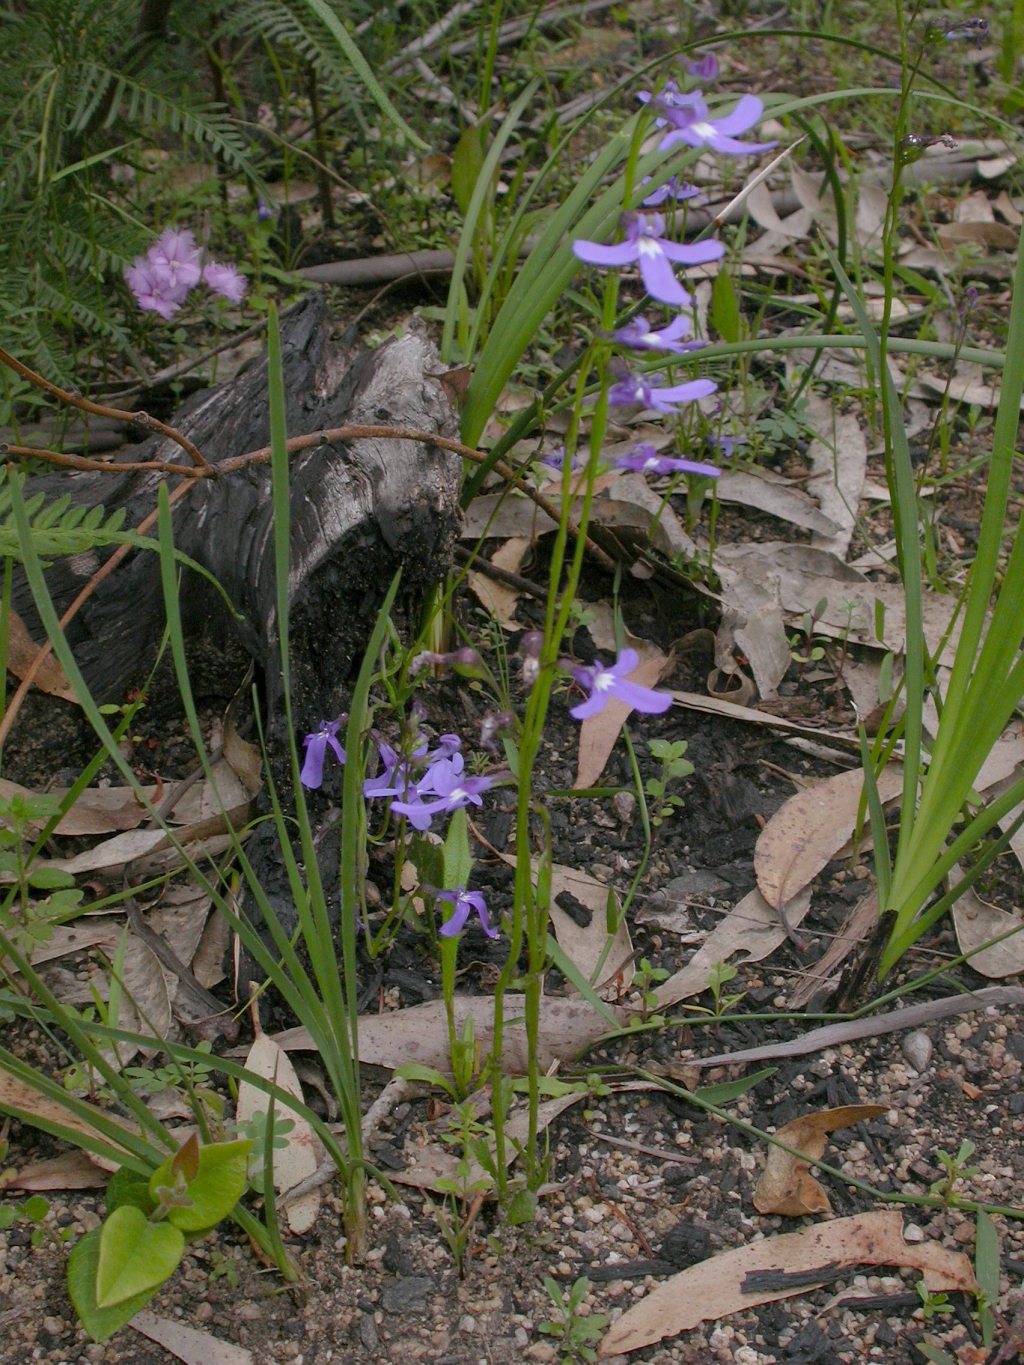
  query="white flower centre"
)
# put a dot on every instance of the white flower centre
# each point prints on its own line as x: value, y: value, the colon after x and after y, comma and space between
x: 603, y: 680
x: 457, y: 794
x: 651, y: 462
x: 649, y: 246
x: 703, y: 129
x: 650, y: 337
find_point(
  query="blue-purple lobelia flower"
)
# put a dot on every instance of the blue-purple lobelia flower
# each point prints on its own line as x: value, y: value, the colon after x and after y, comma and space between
x: 641, y: 388
x: 312, y: 774
x: 603, y: 682
x: 726, y: 444
x: 645, y: 459
x: 263, y: 209
x: 976, y: 29
x: 463, y: 902
x: 693, y: 125
x: 556, y: 459
x: 705, y: 68
x: 669, y: 97
x: 644, y: 243
x: 639, y: 335
x: 445, y: 781
x: 673, y: 188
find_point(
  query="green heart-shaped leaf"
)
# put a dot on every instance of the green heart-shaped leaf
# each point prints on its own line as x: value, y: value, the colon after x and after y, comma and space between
x: 217, y: 1188
x: 100, y: 1323
x: 135, y: 1255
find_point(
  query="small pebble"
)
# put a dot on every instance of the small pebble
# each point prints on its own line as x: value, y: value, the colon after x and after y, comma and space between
x: 917, y: 1048
x: 912, y: 1233
x: 624, y: 805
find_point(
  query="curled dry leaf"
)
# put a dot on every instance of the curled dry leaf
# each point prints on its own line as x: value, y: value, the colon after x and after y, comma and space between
x: 752, y: 927
x: 499, y: 599
x: 984, y: 234
x: 713, y: 1288
x: 782, y: 500
x: 786, y: 1185
x: 838, y: 456
x: 809, y: 829
x: 297, y: 1159
x: 22, y: 650
x: 977, y: 922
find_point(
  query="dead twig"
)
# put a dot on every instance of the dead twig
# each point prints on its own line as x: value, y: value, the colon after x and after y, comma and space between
x: 141, y: 419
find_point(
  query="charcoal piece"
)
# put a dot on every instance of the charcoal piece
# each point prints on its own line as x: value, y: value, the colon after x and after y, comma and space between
x: 579, y: 913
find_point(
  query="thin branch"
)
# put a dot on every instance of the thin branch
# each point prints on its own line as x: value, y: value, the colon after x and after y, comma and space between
x: 141, y: 419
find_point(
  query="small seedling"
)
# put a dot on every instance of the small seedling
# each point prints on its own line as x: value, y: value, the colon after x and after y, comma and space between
x: 803, y: 647
x: 33, y: 1211
x: 574, y: 1328
x: 933, y: 1305
x: 956, y: 1168
x: 673, y: 765
x: 643, y: 978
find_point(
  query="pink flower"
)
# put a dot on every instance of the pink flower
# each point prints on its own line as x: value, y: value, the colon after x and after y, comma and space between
x: 176, y: 254
x: 154, y: 290
x: 226, y: 280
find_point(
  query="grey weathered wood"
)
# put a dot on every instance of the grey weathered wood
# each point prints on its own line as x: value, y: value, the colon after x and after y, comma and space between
x: 360, y: 510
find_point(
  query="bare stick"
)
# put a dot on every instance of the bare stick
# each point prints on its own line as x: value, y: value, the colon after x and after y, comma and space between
x: 142, y: 419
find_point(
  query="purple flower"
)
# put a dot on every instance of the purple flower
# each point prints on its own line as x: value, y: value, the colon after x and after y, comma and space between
x: 226, y: 280
x: 977, y: 29
x: 312, y: 774
x: 644, y: 243
x: 669, y: 97
x: 448, y: 746
x: 175, y: 252
x: 452, y: 790
x: 263, y: 209
x: 459, y: 658
x: 673, y: 188
x: 726, y: 444
x: 463, y: 902
x: 602, y: 683
x: 395, y: 775
x: 556, y: 459
x: 639, y: 335
x: 490, y: 723
x: 644, y: 457
x: 638, y: 388
x: 704, y: 69
x: 153, y: 288
x: 692, y: 125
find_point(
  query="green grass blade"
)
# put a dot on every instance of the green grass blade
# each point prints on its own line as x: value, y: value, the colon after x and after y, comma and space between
x: 361, y: 67
x: 476, y: 204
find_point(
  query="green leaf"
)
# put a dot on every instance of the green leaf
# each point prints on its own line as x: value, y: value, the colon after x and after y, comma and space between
x: 135, y: 1256
x: 986, y: 1270
x: 215, y: 1191
x: 522, y: 1207
x: 458, y: 861
x: 125, y: 1187
x: 49, y: 878
x: 35, y: 1208
x: 415, y: 1071
x: 428, y: 860
x: 935, y: 1354
x: 725, y: 308
x: 100, y: 1323
x: 467, y: 162
x: 727, y: 1091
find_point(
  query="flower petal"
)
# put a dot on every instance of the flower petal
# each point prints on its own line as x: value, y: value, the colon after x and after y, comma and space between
x: 456, y: 921
x: 312, y: 774
x: 730, y: 146
x: 696, y: 253
x: 625, y: 663
x: 596, y: 253
x: 742, y: 116
x: 660, y: 281
x: 644, y: 699
x: 594, y: 703
x: 687, y: 393
x: 678, y: 135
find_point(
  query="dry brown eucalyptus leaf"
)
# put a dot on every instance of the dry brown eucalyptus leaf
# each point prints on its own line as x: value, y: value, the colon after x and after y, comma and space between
x: 786, y: 1185
x: 22, y: 650
x: 809, y: 829
x: 297, y: 1159
x: 714, y: 1288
